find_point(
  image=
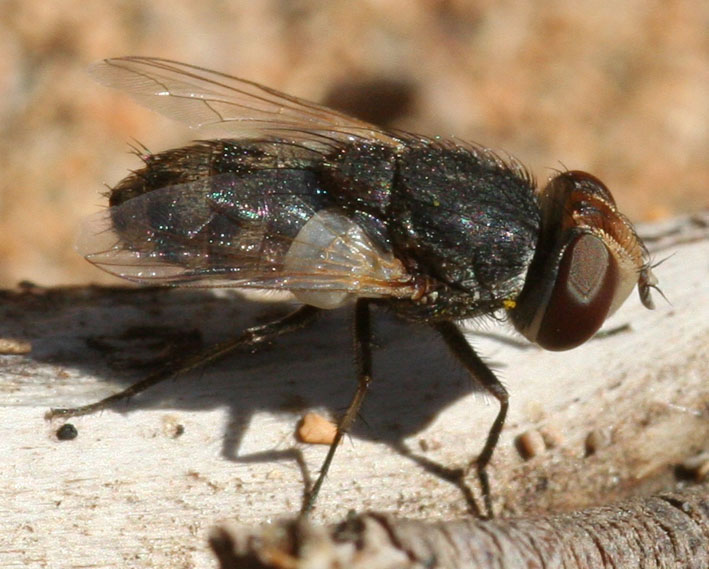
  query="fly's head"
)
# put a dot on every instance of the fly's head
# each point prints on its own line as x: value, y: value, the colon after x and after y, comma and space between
x: 587, y: 261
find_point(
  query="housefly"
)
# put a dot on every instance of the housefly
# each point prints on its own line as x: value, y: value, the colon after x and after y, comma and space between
x: 289, y: 195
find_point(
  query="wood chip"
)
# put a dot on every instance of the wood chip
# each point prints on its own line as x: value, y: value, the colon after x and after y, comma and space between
x: 13, y: 346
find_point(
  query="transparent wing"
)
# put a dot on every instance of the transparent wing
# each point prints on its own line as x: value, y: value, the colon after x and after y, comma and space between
x: 191, y: 236
x: 227, y: 106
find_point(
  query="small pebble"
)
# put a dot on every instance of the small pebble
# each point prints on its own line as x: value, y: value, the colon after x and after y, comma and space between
x: 172, y: 427
x: 315, y: 429
x: 67, y: 432
x: 530, y: 444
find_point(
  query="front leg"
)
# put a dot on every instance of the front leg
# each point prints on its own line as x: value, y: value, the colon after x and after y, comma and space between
x: 250, y: 337
x: 483, y: 374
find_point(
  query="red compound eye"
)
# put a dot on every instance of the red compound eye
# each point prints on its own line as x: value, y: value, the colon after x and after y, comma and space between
x: 581, y: 296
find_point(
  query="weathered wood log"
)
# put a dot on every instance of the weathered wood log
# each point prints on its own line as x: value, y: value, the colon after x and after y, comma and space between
x: 669, y: 531
x: 142, y: 483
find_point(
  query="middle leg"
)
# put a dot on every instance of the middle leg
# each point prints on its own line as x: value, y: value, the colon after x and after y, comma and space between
x: 363, y: 361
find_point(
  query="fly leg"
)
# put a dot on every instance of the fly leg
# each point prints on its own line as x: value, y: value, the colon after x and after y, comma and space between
x: 481, y: 372
x: 250, y: 337
x: 363, y: 363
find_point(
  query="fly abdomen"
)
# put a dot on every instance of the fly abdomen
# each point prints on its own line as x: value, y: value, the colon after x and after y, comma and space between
x: 216, y: 207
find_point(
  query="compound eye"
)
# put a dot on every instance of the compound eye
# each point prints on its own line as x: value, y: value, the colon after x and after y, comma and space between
x: 582, y: 294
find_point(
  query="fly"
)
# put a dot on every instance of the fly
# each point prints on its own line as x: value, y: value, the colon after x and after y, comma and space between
x: 290, y: 195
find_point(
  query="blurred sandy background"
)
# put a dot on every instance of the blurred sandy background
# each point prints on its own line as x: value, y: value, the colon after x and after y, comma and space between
x: 620, y: 89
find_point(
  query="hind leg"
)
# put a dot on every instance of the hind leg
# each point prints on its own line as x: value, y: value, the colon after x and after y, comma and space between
x: 250, y: 337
